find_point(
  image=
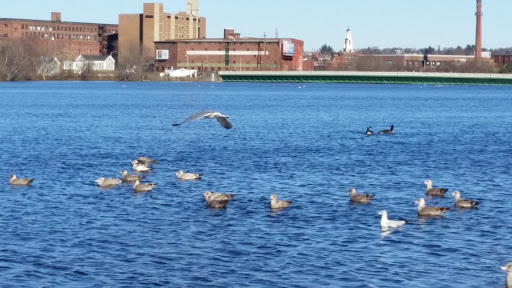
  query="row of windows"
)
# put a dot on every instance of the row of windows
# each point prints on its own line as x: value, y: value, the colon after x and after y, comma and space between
x: 65, y: 28
x: 61, y: 36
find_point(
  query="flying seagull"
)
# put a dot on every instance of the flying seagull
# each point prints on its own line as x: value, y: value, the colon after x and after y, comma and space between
x: 223, y: 119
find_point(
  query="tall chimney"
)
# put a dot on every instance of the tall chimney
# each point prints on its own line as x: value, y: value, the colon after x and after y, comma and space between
x: 478, y: 42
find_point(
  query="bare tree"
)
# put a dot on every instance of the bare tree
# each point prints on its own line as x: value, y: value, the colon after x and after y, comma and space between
x: 135, y: 63
x: 14, y: 61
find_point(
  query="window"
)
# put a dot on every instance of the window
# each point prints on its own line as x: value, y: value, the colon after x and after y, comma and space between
x: 149, y: 16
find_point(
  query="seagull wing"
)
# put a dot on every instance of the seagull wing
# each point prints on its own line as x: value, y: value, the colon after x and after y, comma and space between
x: 224, y: 122
x: 195, y: 117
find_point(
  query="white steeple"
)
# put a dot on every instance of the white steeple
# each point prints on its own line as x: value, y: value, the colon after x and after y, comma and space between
x: 349, y: 45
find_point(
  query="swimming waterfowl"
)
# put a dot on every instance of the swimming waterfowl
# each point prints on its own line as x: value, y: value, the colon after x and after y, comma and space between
x: 390, y: 131
x: 434, y: 191
x: 187, y: 176
x: 129, y: 178
x: 359, y: 198
x: 429, y: 210
x: 14, y: 181
x: 368, y: 131
x: 462, y: 203
x: 222, y: 119
x: 386, y: 223
x: 217, y: 200
x: 208, y: 195
x: 508, y: 268
x: 278, y: 204
x: 146, y: 161
x: 142, y: 187
x: 107, y: 182
x: 139, y: 167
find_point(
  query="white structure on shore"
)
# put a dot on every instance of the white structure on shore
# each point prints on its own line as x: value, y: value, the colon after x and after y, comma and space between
x: 349, y: 45
x: 93, y: 62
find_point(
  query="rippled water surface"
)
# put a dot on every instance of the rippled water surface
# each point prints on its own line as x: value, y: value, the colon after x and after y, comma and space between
x: 302, y: 142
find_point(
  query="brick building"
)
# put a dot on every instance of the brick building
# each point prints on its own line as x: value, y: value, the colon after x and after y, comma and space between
x: 69, y: 38
x: 231, y: 53
x: 142, y: 30
x: 502, y: 60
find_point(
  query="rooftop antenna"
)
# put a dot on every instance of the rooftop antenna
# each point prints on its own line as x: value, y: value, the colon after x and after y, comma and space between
x: 277, y: 33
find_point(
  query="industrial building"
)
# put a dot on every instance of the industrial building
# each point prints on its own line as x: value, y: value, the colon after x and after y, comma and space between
x: 68, y: 38
x: 231, y: 53
x: 143, y: 30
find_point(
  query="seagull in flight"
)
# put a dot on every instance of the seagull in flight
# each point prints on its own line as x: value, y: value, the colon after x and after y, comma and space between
x: 222, y: 119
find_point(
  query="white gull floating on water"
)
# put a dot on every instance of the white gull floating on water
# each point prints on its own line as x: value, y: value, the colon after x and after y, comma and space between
x: 385, y: 223
x: 222, y: 119
x: 139, y: 167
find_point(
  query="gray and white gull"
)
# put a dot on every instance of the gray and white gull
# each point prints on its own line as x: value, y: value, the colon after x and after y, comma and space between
x: 276, y: 204
x: 139, y: 167
x: 187, y: 176
x: 217, y: 200
x: 429, y: 190
x: 209, y: 114
x: 107, y: 182
x: 146, y: 160
x: 142, y: 187
x: 129, y: 178
x: 429, y: 211
x: 359, y: 198
x: 15, y: 181
x: 463, y: 203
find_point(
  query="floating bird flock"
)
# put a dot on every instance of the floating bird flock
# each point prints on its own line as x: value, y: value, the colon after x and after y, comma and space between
x: 220, y: 200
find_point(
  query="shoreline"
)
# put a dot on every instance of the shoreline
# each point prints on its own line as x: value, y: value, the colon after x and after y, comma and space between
x: 356, y: 77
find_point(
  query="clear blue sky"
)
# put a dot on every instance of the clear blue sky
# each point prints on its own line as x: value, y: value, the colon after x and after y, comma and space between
x: 386, y: 24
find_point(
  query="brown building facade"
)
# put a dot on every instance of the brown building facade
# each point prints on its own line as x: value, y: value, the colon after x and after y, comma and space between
x: 502, y: 60
x: 143, y: 30
x: 72, y: 38
x: 230, y: 54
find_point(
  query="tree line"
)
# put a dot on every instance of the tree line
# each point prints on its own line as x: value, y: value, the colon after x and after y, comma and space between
x: 469, y: 49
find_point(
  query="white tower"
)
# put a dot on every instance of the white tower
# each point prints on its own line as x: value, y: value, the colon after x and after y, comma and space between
x: 349, y: 45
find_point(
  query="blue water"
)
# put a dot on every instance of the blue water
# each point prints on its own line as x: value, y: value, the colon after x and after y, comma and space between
x: 303, y: 142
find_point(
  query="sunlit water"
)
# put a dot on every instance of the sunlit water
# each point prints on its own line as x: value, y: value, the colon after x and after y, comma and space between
x: 303, y: 142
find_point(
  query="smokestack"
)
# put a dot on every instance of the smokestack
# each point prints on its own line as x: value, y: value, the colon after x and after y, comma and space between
x: 478, y: 41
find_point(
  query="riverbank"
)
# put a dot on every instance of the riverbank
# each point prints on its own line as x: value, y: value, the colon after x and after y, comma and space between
x: 367, y: 77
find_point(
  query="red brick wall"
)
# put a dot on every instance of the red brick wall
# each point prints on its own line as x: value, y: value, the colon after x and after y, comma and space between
x: 238, y: 59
